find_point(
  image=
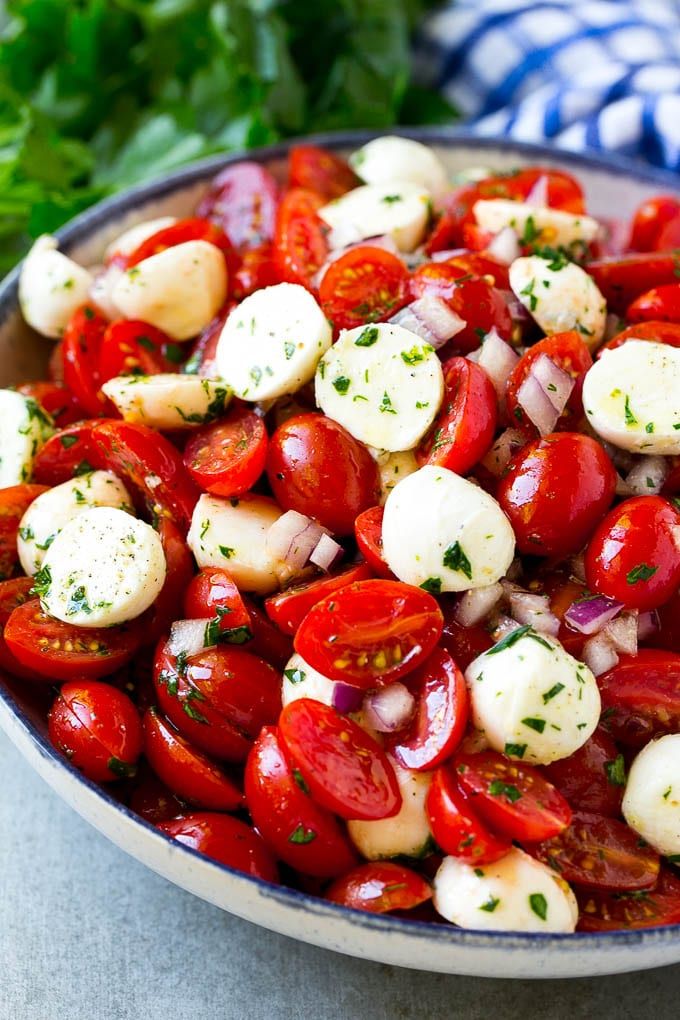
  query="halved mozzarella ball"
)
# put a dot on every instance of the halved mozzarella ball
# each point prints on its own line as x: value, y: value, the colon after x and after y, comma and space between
x: 392, y: 468
x: 103, y: 568
x: 383, y: 384
x: 300, y: 680
x: 651, y: 803
x: 272, y: 341
x: 543, y: 226
x: 231, y: 533
x: 531, y: 699
x: 168, y: 401
x: 560, y: 298
x: 51, y: 287
x: 50, y: 512
x: 400, y: 209
x: 443, y: 533
x: 632, y: 397
x: 130, y: 239
x: 391, y: 158
x: 405, y: 834
x: 179, y: 290
x: 516, y: 893
x: 24, y: 427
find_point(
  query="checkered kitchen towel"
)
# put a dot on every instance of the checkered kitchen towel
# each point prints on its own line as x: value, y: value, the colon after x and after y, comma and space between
x: 582, y: 74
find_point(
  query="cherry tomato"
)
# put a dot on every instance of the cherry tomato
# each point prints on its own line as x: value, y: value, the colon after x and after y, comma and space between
x: 633, y: 555
x: 316, y: 467
x: 242, y: 200
x: 321, y: 171
x: 288, y: 608
x: 302, y: 834
x: 226, y: 840
x: 661, y: 303
x: 54, y: 398
x: 624, y: 278
x: 649, y: 221
x: 441, y: 715
x: 12, y: 594
x: 593, y: 778
x: 658, y: 332
x: 641, y: 696
x: 601, y: 911
x: 476, y: 301
x: 268, y: 641
x: 179, y: 570
x: 257, y: 270
x: 379, y: 887
x: 81, y: 348
x: 227, y: 457
x: 97, y: 728
x: 346, y: 770
x: 669, y: 235
x: 67, y: 453
x: 371, y: 632
x: 482, y: 264
x: 463, y: 643
x: 368, y: 534
x: 201, y: 360
x: 152, y: 800
x: 301, y: 247
x: 464, y: 429
x: 365, y: 284
x: 132, y: 347
x: 14, y: 502
x: 213, y: 594
x: 455, y: 826
x: 193, y: 229
x: 568, y: 352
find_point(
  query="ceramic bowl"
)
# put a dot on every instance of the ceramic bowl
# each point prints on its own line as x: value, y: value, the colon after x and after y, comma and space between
x: 614, y: 188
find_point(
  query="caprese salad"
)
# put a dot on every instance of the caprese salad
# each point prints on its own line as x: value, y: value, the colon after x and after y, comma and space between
x: 343, y: 538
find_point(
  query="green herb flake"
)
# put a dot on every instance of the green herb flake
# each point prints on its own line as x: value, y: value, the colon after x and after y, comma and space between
x: 456, y: 559
x: 515, y: 750
x: 539, y: 905
x: 341, y: 384
x: 628, y: 414
x: 226, y: 551
x: 552, y: 693
x: 433, y: 585
x: 296, y: 676
x: 534, y: 724
x: 367, y: 337
x: 642, y: 572
x: 302, y: 835
x: 497, y: 788
x: 490, y: 904
x: 121, y: 769
x: 616, y: 771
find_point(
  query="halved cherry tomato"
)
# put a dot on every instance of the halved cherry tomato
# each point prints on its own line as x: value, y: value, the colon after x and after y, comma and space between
x: 464, y: 643
x: 14, y: 502
x: 365, y: 284
x: 152, y: 800
x: 649, y: 221
x: 193, y: 229
x: 624, y: 278
x: 481, y: 305
x: 97, y: 728
x: 201, y: 360
x: 321, y: 171
x: 242, y: 200
x: 56, y: 399
x: 346, y: 770
x: 316, y: 467
x: 601, y: 911
x: 80, y: 350
x: 656, y: 331
x: 669, y: 235
x: 661, y: 303
x: 67, y: 453
x: 568, y: 352
x: 441, y: 714
x: 268, y: 641
x: 227, y: 457
x: 481, y: 263
x: 132, y: 347
x: 179, y: 570
x: 289, y: 608
x: 379, y: 887
x: 301, y: 247
x: 12, y: 594
x: 213, y: 595
x: 226, y: 840
x: 464, y: 429
x: 304, y: 835
x: 592, y: 779
x: 371, y: 632
x: 257, y: 270
x: 368, y: 534
x: 455, y: 826
x: 641, y: 696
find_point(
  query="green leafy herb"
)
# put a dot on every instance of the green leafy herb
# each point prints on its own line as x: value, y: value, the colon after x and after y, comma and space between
x: 642, y: 572
x: 433, y: 585
x: 68, y: 441
x: 341, y: 384
x: 299, y: 779
x: 386, y: 404
x: 78, y: 603
x: 367, y: 337
x: 296, y: 676
x: 628, y: 414
x: 226, y: 551
x: 122, y: 769
x: 490, y: 904
x: 515, y: 750
x: 534, y: 724
x: 456, y: 559
x: 497, y: 788
x: 41, y: 582
x: 616, y: 771
x: 510, y: 639
x: 552, y: 693
x: 301, y: 835
x: 539, y: 905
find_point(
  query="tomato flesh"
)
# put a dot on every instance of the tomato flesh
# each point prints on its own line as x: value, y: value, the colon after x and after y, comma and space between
x: 289, y: 608
x: 456, y: 827
x: 364, y: 285
x: 224, y: 839
x: 380, y: 887
x: 464, y: 429
x: 227, y: 457
x: 97, y: 728
x: 660, y: 905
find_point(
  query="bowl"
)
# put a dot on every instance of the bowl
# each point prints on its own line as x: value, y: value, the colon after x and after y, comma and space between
x: 614, y: 188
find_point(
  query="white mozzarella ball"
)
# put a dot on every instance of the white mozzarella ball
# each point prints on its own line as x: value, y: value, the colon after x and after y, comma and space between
x: 393, y: 467
x: 103, y: 568
x: 168, y: 401
x: 536, y: 224
x: 531, y: 699
x: 300, y: 680
x: 51, y: 287
x: 651, y: 803
x: 272, y: 341
x: 50, y: 512
x: 405, y: 834
x: 560, y: 298
x: 632, y: 397
x: 516, y: 893
x: 179, y: 290
x: 103, y: 285
x: 391, y: 158
x: 443, y: 533
x: 383, y: 384
x: 24, y: 427
x: 130, y: 239
x: 400, y: 209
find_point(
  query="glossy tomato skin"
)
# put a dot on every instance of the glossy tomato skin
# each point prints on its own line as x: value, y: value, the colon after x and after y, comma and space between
x: 465, y: 426
x: 268, y: 641
x: 179, y: 571
x: 97, y: 728
x: 80, y: 351
x: 288, y: 608
x: 656, y: 331
x: 302, y: 834
x: 476, y: 301
x: 633, y: 555
x: 591, y: 778
x: 366, y: 284
x: 316, y: 467
x: 368, y: 534
x: 661, y: 303
x: 13, y: 593
x: 641, y: 696
x: 68, y: 452
x: 320, y: 170
x: 300, y: 238
x: 380, y: 887
x: 649, y: 220
x: 242, y: 200
x: 562, y: 590
x: 152, y: 800
x: 56, y: 399
x: 213, y: 595
x: 257, y: 270
x: 226, y: 840
x: 227, y: 457
x: 456, y: 827
x: 623, y: 279
x: 555, y: 491
x: 194, y: 228
x: 14, y: 502
x: 660, y: 905
x: 482, y: 264
x: 370, y: 633
x: 568, y: 352
x: 133, y: 347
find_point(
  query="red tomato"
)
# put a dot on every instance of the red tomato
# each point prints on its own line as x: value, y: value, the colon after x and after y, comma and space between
x: 619, y: 911
x: 81, y: 348
x: 67, y: 453
x: 302, y: 834
x: 257, y: 270
x: 54, y: 398
x: 633, y: 555
x: 288, y: 608
x: 346, y: 770
x: 227, y: 457
x: 97, y: 728
x: 153, y: 801
x: 555, y: 491
x: 12, y: 594
x: 201, y: 360
x: 658, y: 332
x: 316, y: 467
x: 132, y: 347
x: 371, y: 632
x: 669, y: 235
x: 592, y: 779
x: 624, y: 278
x: 568, y: 352
x: 179, y: 564
x: 242, y: 200
x: 379, y: 887
x: 475, y: 300
x: 668, y: 634
x: 649, y: 221
x: 365, y: 284
x: 455, y: 826
x: 268, y: 641
x: 464, y: 643
x: 661, y: 303
x: 482, y: 264
x: 321, y: 171
x: 193, y: 229
x: 14, y: 502
x: 301, y: 247
x: 442, y: 708
x: 368, y: 534
x: 641, y: 696
x: 464, y: 429
x: 226, y: 840
x: 213, y: 594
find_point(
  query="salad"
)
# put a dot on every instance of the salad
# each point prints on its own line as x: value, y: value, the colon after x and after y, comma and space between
x: 343, y: 539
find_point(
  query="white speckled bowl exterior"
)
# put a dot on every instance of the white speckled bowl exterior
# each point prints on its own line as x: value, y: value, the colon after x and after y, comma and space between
x: 614, y: 189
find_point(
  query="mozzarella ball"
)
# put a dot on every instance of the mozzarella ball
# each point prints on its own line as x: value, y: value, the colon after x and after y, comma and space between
x: 179, y: 290
x: 24, y: 427
x: 531, y: 699
x: 560, y: 298
x: 516, y: 893
x: 51, y: 287
x: 443, y: 533
x: 168, y: 401
x: 130, y: 239
x: 405, y: 834
x: 536, y: 224
x: 651, y: 803
x: 393, y: 467
x: 300, y: 680
x: 400, y: 209
x: 391, y: 158
x: 103, y: 285
x: 103, y: 568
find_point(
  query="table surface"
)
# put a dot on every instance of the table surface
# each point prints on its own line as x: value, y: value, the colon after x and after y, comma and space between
x: 86, y: 933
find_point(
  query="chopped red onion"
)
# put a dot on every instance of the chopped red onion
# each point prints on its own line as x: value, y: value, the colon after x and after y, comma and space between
x: 555, y: 382
x: 538, y: 407
x: 504, y: 625
x: 326, y: 553
x: 538, y: 196
x: 518, y: 313
x: 599, y: 654
x: 505, y: 246
x: 647, y: 476
x: 430, y: 318
x: 648, y: 624
x: 498, y: 360
x: 623, y: 633
x: 346, y: 698
x: 502, y: 451
x: 534, y: 610
x: 448, y: 253
x: 389, y: 708
x: 477, y: 603
x: 591, y: 615
x: 187, y: 637
x: 293, y: 538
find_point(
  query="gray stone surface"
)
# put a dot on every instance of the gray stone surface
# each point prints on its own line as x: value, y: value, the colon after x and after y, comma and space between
x: 86, y: 933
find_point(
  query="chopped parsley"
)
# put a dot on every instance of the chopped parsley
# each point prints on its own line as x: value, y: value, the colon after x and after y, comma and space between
x: 433, y: 585
x: 367, y: 337
x: 456, y: 559
x: 642, y: 572
x: 301, y: 835
x: 226, y: 551
x: 341, y: 384
x: 490, y: 904
x: 534, y: 724
x: 616, y: 771
x: 41, y: 582
x: 553, y: 692
x: 528, y: 291
x: 296, y: 676
x: 416, y: 354
x: 78, y: 603
x: 386, y: 404
x: 497, y: 788
x: 515, y: 750
x: 628, y: 414
x: 539, y: 905
x: 68, y: 441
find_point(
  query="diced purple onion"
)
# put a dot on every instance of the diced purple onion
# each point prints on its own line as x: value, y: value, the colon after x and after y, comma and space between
x: 326, y: 553
x: 502, y: 451
x: 591, y: 615
x: 389, y: 708
x: 448, y: 253
x: 477, y: 603
x: 518, y: 313
x: 498, y: 360
x: 538, y: 196
x: 538, y: 407
x: 346, y: 698
x: 526, y: 607
x: 647, y: 476
x: 599, y: 654
x: 187, y: 637
x: 648, y: 624
x: 504, y: 625
x: 430, y: 318
x: 554, y: 381
x: 623, y: 633
x: 505, y: 246
x: 293, y: 538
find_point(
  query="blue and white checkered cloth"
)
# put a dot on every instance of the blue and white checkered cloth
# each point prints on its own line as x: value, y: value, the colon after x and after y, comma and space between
x: 581, y: 74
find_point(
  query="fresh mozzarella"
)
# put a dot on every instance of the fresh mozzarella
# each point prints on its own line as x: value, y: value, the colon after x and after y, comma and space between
x: 651, y: 803
x: 272, y: 341
x: 405, y: 834
x: 168, y: 401
x: 537, y: 224
x: 383, y: 384
x: 50, y: 512
x: 560, y: 298
x: 392, y: 468
x: 516, y: 893
x: 531, y: 699
x: 103, y: 568
x: 632, y: 397
x: 24, y: 427
x: 230, y: 533
x: 391, y: 158
x: 300, y: 680
x: 443, y: 533
x: 398, y: 208
x: 130, y: 239
x: 179, y: 290
x: 51, y: 287
x: 104, y: 280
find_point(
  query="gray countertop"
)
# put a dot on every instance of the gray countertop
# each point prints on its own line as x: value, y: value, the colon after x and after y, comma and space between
x: 86, y: 933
